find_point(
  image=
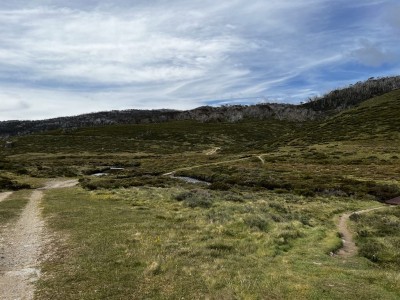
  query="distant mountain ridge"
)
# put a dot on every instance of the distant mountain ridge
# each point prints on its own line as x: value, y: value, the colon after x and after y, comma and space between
x: 318, y: 107
x: 202, y: 114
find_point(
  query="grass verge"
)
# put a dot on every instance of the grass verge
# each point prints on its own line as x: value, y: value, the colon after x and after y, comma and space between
x: 13, y: 206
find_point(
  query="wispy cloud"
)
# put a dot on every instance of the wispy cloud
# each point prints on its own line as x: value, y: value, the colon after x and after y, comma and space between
x: 67, y: 57
x: 373, y: 55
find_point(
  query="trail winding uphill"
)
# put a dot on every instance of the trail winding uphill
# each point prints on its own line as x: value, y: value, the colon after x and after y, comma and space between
x: 209, y: 164
x: 261, y: 159
x: 349, y: 248
x: 21, y: 245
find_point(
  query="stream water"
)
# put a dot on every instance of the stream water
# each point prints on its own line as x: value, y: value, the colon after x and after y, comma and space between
x: 190, y: 180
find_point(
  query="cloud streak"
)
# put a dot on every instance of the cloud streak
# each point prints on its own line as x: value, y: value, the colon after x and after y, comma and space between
x: 120, y: 54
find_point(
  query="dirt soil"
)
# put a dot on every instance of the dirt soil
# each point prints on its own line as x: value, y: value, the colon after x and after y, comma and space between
x: 57, y: 184
x: 21, y: 245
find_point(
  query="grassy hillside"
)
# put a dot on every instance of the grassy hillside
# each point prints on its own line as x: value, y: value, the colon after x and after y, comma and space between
x: 264, y: 227
x: 150, y: 149
x: 354, y: 153
x: 164, y: 138
x: 375, y: 120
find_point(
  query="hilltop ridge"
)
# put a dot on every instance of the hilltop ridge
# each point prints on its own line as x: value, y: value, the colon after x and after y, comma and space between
x: 317, y: 107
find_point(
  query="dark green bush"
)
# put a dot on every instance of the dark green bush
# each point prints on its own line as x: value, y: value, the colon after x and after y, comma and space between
x: 196, y: 198
x: 384, y: 191
x: 8, y: 184
x: 219, y: 246
x: 220, y: 186
x: 372, y: 250
x: 257, y: 222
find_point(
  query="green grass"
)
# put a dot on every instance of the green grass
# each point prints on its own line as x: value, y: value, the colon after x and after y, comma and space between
x: 144, y: 243
x: 304, y: 176
x: 12, y: 207
x: 374, y: 120
x: 378, y: 236
x: 259, y: 231
x: 165, y: 138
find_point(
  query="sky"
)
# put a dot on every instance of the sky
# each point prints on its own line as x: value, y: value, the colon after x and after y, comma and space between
x: 60, y: 58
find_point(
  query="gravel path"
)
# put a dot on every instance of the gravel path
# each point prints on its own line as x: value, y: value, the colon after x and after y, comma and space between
x: 57, y: 184
x: 20, y: 250
x: 21, y: 246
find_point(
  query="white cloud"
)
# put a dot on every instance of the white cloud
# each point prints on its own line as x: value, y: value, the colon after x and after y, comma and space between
x: 393, y: 17
x: 97, y: 48
x: 372, y: 55
x: 171, y: 53
x: 11, y: 102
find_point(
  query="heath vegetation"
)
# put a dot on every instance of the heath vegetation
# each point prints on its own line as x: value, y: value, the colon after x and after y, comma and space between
x: 262, y: 222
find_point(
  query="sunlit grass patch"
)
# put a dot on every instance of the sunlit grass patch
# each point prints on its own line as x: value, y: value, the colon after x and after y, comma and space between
x: 378, y: 236
x: 143, y: 243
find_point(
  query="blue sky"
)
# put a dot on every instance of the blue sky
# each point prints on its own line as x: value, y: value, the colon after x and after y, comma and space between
x: 61, y: 57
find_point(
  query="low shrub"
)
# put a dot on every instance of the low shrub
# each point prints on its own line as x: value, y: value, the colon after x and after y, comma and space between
x: 220, y: 186
x: 219, y: 246
x: 8, y: 184
x: 384, y: 191
x: 257, y: 222
x: 372, y: 250
x: 196, y: 198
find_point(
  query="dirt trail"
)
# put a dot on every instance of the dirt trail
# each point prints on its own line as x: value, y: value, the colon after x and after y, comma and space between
x: 4, y: 196
x: 206, y: 165
x: 57, y: 184
x: 261, y: 158
x: 213, y: 151
x: 21, y: 246
x: 349, y: 246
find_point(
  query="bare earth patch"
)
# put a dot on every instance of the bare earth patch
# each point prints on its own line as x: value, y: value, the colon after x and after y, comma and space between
x: 57, y: 184
x: 21, y: 246
x: 213, y: 151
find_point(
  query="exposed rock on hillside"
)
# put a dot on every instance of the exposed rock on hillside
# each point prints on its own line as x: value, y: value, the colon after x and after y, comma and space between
x: 202, y: 114
x: 334, y: 101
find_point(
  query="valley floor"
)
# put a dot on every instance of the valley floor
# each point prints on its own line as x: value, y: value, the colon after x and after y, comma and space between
x: 169, y: 243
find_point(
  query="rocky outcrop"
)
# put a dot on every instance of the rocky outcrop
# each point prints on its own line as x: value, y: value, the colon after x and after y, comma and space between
x: 233, y: 113
x: 332, y: 102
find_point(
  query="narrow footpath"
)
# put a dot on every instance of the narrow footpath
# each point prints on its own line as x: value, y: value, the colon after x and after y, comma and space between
x: 21, y: 245
x: 349, y: 248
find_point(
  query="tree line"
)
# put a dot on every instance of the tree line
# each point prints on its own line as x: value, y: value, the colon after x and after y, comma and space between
x: 354, y: 94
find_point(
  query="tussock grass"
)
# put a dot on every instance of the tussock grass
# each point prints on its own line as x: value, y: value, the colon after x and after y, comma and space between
x: 259, y: 231
x: 142, y: 243
x: 378, y: 236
